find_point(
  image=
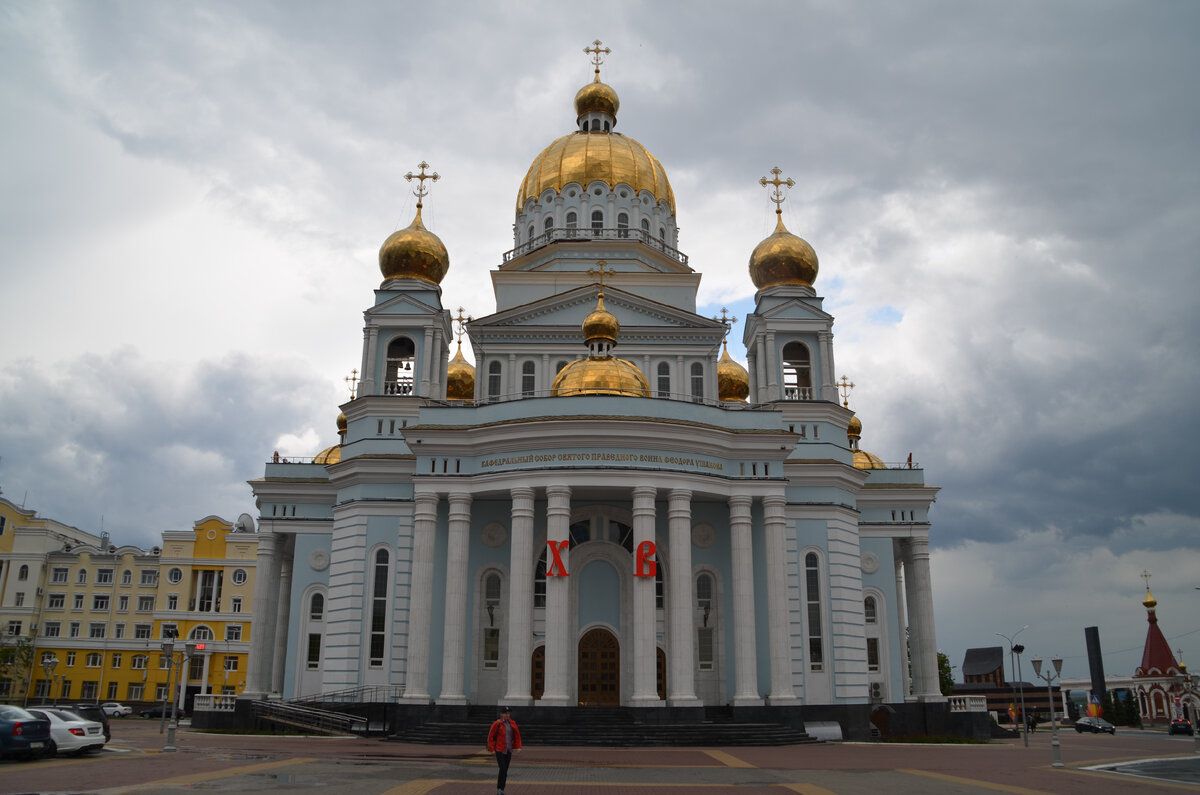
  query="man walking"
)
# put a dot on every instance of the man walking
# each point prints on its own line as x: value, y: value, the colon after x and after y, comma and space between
x: 504, y: 738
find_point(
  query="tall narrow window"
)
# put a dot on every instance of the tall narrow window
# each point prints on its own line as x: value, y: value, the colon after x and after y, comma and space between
x: 494, y: 379
x: 697, y: 382
x: 623, y: 224
x: 530, y: 237
x: 869, y: 611
x: 491, y: 630
x: 646, y: 227
x: 539, y: 581
x: 316, y: 608
x: 401, y: 358
x: 572, y: 220
x: 314, y: 651
x: 379, y: 592
x: 812, y: 593
x: 23, y: 573
x: 597, y: 220
x: 548, y: 224
x: 528, y: 379
x: 872, y: 654
x: 705, y: 618
x: 664, y: 380
x: 797, y: 372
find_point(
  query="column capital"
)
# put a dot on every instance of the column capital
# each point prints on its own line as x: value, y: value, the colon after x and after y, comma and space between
x: 740, y: 501
x: 559, y: 490
x: 644, y: 492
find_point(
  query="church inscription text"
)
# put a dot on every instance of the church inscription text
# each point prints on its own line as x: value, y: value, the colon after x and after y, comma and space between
x: 602, y: 458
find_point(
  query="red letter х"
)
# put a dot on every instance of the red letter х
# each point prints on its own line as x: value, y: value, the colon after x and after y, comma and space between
x: 646, y: 565
x: 557, y: 569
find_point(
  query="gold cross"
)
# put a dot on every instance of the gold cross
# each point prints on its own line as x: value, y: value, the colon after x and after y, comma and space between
x: 420, y: 178
x: 596, y: 49
x: 776, y: 191
x: 846, y: 386
x: 725, y: 318
x: 352, y: 380
x: 461, y: 320
x: 601, y: 272
x: 1145, y: 575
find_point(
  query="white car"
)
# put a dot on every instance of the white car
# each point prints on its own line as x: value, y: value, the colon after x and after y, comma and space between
x: 70, y: 733
x: 114, y: 710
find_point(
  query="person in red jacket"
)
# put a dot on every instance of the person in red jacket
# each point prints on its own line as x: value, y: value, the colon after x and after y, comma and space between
x: 504, y: 738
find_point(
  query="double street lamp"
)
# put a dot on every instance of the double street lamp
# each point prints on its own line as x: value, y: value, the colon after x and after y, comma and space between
x: 1016, y: 648
x: 1188, y: 685
x: 176, y: 663
x: 1049, y: 677
x: 48, y: 665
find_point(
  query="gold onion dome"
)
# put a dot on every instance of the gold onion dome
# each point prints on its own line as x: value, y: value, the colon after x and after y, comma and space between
x: 733, y: 382
x: 783, y: 258
x: 601, y: 324
x: 601, y: 373
x: 1149, y: 602
x: 862, y: 459
x: 597, y: 97
x: 460, y: 378
x: 414, y: 253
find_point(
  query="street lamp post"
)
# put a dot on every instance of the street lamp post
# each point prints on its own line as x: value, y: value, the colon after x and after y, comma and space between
x: 48, y: 665
x: 1188, y: 685
x: 1015, y: 648
x: 1049, y: 677
x: 175, y: 662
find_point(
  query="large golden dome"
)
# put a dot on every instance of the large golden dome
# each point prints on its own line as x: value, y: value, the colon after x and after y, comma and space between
x: 597, y: 97
x: 611, y: 376
x: 733, y: 382
x: 460, y: 378
x: 783, y: 258
x: 583, y: 157
x: 414, y: 253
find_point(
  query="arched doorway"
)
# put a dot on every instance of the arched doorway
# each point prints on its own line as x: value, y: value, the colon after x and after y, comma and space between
x: 599, y: 669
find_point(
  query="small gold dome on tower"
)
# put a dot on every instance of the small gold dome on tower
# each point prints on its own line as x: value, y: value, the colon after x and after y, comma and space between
x: 460, y: 378
x: 601, y: 324
x: 333, y: 454
x: 862, y: 459
x: 783, y: 258
x: 597, y: 97
x: 414, y: 253
x: 342, y: 425
x: 733, y: 382
x: 1149, y: 602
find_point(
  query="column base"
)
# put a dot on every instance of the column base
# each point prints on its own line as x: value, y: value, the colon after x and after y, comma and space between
x: 556, y: 701
x: 515, y: 702
x: 747, y: 701
x: 782, y: 701
x: 684, y: 701
x: 456, y: 700
x: 932, y: 698
x: 416, y: 698
x: 647, y: 701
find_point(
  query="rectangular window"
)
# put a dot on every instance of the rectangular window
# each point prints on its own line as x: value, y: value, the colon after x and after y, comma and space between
x: 142, y: 631
x: 704, y: 644
x: 233, y: 632
x: 123, y: 603
x: 52, y: 629
x: 5, y: 687
x: 314, y: 651
x: 41, y: 690
x: 235, y: 604
x: 57, y: 601
x: 96, y: 630
x: 149, y: 577
x: 90, y: 691
x: 127, y: 577
x: 112, y: 690
x: 100, y: 601
x: 231, y: 661
x: 136, y: 689
x: 70, y: 661
x: 59, y: 575
x: 14, y: 627
x: 104, y: 576
x: 138, y: 663
x: 491, y: 649
x: 116, y: 662
x: 78, y: 602
x: 74, y: 629
x: 170, y: 631
x: 94, y: 659
x: 196, y: 667
x: 145, y: 604
x: 118, y: 630
x: 173, y: 601
x: 160, y: 692
x: 872, y: 654
x: 20, y: 599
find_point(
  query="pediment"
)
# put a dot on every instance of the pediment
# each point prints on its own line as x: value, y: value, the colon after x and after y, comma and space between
x: 794, y: 309
x: 571, y: 307
x: 402, y: 303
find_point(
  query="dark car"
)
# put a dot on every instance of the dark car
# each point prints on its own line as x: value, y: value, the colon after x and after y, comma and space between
x: 22, y: 734
x: 1180, y: 726
x: 1094, y: 725
x: 84, y: 709
x: 158, y: 711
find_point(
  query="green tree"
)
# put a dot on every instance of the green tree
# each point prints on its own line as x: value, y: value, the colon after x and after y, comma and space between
x: 945, y: 674
x: 16, y: 660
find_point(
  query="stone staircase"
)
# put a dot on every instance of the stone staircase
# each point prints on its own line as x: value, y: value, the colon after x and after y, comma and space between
x: 611, y: 727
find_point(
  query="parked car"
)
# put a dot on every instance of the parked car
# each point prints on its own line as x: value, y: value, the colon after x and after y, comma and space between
x: 1094, y: 725
x: 114, y: 710
x: 84, y: 709
x: 22, y: 734
x: 158, y: 711
x: 1180, y: 726
x: 71, y: 733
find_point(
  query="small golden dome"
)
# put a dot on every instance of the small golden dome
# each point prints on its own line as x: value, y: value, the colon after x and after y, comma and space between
x: 783, y: 258
x: 1149, y: 602
x: 342, y: 425
x: 460, y: 378
x: 611, y: 376
x: 597, y: 97
x: 854, y: 430
x: 581, y: 158
x: 601, y: 324
x: 733, y: 382
x: 414, y: 253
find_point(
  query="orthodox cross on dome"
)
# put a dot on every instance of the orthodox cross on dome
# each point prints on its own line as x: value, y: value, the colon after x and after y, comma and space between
x: 776, y: 194
x: 601, y: 272
x: 352, y: 380
x: 725, y: 318
x: 420, y: 177
x: 462, y: 321
x: 1145, y: 575
x: 846, y: 386
x: 595, y: 50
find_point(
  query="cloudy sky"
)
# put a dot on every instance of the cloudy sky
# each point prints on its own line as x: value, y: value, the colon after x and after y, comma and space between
x: 1005, y: 198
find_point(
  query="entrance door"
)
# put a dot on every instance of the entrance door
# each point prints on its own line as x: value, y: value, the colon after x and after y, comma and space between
x: 599, y: 669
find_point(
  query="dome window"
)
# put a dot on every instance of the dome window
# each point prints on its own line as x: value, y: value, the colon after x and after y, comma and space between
x: 572, y: 219
x: 494, y: 377
x: 697, y: 382
x: 623, y: 224
x: 597, y: 192
x: 531, y: 231
x: 662, y: 234
x: 607, y: 126
x: 664, y: 380
x: 528, y: 379
x: 549, y: 223
x: 597, y: 218
x: 646, y: 226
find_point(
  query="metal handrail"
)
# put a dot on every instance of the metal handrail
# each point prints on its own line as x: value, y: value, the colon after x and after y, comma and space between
x: 584, y: 234
x: 353, y: 695
x: 308, y: 717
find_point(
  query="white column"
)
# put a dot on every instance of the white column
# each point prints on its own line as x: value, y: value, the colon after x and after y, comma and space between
x: 366, y: 385
x: 454, y: 644
x: 901, y: 620
x: 558, y: 648
x: 772, y: 365
x: 262, y: 628
x: 681, y: 682
x: 204, y: 686
x: 283, y: 611
x: 744, y: 639
x: 514, y: 382
x: 422, y: 384
x: 777, y: 612
x: 922, y: 640
x: 828, y: 390
x: 645, y: 649
x: 520, y: 598
x: 420, y: 605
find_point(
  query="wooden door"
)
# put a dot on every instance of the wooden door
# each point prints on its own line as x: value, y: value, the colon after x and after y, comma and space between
x: 599, y: 669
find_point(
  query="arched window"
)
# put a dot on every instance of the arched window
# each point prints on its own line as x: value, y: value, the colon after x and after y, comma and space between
x: 559, y: 366
x: 491, y: 623
x: 812, y: 598
x: 664, y: 380
x: 530, y: 232
x: 201, y: 633
x: 316, y: 607
x: 528, y: 379
x: 797, y: 372
x: 597, y: 220
x: 494, y: 380
x: 697, y: 381
x: 23, y: 573
x: 572, y: 220
x: 623, y: 224
x: 401, y: 357
x: 646, y: 226
x: 127, y: 577
x: 870, y: 615
x: 705, y: 607
x: 606, y: 126
x: 379, y: 604
x: 662, y: 234
x: 548, y: 224
x: 81, y: 578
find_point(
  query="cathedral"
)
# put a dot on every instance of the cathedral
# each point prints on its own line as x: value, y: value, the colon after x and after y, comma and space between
x: 605, y: 509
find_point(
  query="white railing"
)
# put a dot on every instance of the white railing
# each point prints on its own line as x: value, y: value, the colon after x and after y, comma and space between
x: 214, y: 703
x: 968, y: 704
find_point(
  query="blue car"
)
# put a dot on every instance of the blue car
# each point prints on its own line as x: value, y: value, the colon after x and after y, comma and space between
x: 21, y: 734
